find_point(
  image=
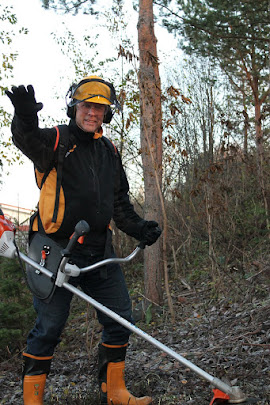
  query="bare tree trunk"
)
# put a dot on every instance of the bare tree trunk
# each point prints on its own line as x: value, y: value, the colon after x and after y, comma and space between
x: 258, y: 101
x: 211, y: 124
x: 209, y: 222
x: 246, y: 122
x: 151, y: 143
x: 260, y: 154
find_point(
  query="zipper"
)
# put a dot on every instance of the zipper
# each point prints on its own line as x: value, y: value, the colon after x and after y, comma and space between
x: 93, y: 168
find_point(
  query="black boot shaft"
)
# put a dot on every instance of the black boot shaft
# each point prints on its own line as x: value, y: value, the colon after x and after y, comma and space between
x: 34, y: 366
x: 107, y: 355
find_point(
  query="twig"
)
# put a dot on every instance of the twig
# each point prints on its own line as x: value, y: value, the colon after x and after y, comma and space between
x: 148, y: 299
x: 175, y: 262
x: 248, y: 333
x: 259, y: 272
x: 183, y: 281
x: 264, y: 345
x: 165, y: 227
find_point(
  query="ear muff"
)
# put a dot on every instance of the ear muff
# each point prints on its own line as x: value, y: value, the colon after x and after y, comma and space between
x: 71, y: 109
x: 71, y: 112
x: 108, y: 115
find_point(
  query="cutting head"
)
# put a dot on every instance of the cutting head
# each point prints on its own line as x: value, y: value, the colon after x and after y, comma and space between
x: 236, y: 397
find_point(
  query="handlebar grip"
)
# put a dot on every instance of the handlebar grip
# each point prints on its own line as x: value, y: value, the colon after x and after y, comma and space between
x: 81, y: 229
x: 142, y: 244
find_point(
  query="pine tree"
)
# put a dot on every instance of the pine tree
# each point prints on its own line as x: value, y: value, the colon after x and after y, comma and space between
x: 16, y: 311
x: 151, y: 142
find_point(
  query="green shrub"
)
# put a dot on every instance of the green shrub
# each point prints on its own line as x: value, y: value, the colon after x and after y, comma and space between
x: 16, y: 312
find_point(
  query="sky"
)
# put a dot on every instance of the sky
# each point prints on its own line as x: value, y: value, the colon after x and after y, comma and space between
x: 41, y: 63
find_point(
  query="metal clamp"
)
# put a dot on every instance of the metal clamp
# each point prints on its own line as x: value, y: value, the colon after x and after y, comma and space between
x: 70, y: 270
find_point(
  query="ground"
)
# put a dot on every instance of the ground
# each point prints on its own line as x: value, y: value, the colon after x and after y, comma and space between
x: 223, y: 328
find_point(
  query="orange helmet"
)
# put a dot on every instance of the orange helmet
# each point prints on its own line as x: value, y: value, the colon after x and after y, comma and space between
x: 93, y: 89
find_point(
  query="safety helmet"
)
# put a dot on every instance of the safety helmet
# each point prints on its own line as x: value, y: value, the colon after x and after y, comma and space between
x: 93, y: 89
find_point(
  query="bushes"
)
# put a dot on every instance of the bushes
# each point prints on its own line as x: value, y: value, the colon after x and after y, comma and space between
x: 16, y: 312
x: 218, y: 220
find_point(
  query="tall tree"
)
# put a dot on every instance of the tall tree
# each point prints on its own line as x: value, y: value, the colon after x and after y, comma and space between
x: 236, y: 35
x: 151, y: 142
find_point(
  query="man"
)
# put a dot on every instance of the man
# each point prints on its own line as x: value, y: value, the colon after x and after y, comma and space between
x: 93, y: 188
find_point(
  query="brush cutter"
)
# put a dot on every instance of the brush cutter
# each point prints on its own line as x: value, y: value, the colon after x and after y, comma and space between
x: 223, y: 391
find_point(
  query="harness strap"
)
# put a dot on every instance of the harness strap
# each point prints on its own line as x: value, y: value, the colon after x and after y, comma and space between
x: 63, y: 141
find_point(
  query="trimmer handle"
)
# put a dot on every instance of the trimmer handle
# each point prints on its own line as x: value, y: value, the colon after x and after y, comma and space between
x: 82, y: 228
x: 142, y: 244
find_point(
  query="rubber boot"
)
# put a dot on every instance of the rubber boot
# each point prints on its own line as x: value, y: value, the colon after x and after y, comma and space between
x: 35, y: 371
x: 113, y: 390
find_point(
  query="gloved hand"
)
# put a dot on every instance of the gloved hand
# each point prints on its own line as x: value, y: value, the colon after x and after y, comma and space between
x: 150, y: 232
x: 24, y: 100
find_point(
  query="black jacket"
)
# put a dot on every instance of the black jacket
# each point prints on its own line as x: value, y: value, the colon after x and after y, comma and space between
x: 94, y: 184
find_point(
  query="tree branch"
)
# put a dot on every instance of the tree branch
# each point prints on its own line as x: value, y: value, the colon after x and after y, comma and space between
x: 215, y: 34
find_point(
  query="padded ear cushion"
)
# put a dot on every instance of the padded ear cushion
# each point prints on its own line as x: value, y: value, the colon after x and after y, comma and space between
x: 108, y: 116
x: 71, y: 112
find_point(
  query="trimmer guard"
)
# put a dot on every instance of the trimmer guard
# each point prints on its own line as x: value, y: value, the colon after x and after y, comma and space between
x: 45, y: 251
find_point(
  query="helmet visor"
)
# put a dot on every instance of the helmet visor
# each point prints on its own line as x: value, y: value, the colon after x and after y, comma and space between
x: 93, y: 91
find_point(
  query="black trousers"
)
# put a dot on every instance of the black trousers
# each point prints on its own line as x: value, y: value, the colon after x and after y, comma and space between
x: 110, y: 291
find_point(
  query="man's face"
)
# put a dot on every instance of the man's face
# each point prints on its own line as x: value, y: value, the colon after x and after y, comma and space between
x: 89, y: 116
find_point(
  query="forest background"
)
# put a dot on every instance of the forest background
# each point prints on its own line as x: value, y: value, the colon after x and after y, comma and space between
x: 215, y: 140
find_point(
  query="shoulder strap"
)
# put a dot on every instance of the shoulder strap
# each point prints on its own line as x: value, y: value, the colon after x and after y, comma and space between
x: 63, y: 135
x: 110, y: 145
x: 61, y: 143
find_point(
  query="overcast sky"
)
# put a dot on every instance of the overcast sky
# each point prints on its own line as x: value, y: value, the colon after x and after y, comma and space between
x: 41, y: 63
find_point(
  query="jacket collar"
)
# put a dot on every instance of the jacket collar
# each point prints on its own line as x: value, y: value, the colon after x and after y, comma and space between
x: 82, y: 135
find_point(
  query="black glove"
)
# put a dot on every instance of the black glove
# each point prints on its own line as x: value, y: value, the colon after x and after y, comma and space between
x: 150, y: 232
x: 24, y: 100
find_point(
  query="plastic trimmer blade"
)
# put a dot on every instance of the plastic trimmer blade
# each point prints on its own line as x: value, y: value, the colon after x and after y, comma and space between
x: 236, y: 397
